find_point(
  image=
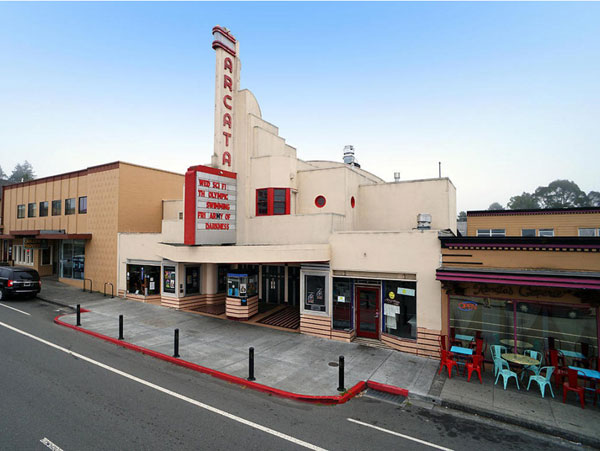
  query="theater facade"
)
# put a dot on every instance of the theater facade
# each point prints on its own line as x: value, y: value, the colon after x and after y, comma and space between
x: 261, y: 233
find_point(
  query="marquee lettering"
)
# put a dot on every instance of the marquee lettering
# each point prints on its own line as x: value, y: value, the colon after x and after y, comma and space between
x: 225, y: 99
x: 229, y: 65
x: 227, y: 158
x: 228, y: 83
x: 227, y: 120
x: 227, y: 136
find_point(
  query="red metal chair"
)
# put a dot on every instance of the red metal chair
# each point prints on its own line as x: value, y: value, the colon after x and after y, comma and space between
x: 475, y: 365
x: 559, y: 370
x: 443, y: 341
x: 447, y: 362
x: 452, y: 338
x: 586, y: 361
x: 573, y: 385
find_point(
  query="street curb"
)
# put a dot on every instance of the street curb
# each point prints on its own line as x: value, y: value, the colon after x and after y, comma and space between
x: 517, y: 421
x: 60, y: 304
x: 326, y: 400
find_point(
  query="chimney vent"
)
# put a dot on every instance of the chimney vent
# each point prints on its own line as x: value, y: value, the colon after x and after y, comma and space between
x: 349, y: 157
x: 396, y: 177
x: 423, y: 221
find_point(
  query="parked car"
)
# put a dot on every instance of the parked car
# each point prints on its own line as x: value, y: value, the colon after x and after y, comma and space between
x: 19, y: 281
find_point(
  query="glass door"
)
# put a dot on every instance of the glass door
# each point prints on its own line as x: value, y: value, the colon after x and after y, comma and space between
x: 367, y: 300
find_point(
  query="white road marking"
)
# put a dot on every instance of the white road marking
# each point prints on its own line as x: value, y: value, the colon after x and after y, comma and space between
x: 15, y: 309
x: 281, y: 435
x: 51, y: 445
x: 433, y: 445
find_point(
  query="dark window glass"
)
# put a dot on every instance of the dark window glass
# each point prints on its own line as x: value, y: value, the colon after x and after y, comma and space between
x: 46, y: 253
x: 31, y: 210
x: 192, y: 280
x: 72, y: 259
x: 262, y: 202
x: 70, y: 206
x: 21, y: 211
x: 222, y: 271
x: 342, y: 303
x: 279, y: 201
x: 527, y: 232
x: 83, y: 205
x: 314, y: 295
x: 56, y: 206
x: 43, y: 209
x: 169, y: 279
x: 400, y: 309
x: 143, y: 280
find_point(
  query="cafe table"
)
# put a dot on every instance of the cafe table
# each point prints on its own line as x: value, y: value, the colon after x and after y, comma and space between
x: 572, y: 354
x: 520, y: 359
x: 463, y: 353
x: 464, y: 337
x: 520, y: 344
x: 588, y: 374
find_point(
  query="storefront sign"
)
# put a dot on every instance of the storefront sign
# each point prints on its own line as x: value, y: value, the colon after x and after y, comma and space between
x: 210, y: 206
x: 226, y: 86
x: 467, y: 306
x: 31, y: 243
x: 405, y: 291
x: 523, y: 291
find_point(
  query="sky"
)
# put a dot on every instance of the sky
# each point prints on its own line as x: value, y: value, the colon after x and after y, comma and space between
x: 505, y: 95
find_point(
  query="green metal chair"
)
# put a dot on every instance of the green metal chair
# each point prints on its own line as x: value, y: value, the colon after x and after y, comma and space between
x: 543, y: 380
x: 506, y: 373
x: 535, y: 369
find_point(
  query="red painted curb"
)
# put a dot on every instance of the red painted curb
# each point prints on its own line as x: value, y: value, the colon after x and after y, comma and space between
x: 387, y: 388
x: 329, y: 400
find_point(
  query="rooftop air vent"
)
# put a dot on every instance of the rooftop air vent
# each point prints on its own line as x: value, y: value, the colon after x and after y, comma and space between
x: 423, y: 221
x: 349, y: 157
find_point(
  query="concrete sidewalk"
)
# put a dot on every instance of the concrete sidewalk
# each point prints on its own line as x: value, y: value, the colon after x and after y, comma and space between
x: 301, y: 364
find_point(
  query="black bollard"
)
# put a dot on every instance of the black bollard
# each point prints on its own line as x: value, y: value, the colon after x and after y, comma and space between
x: 78, y: 315
x: 176, y: 344
x: 251, y: 367
x: 120, y: 327
x: 341, y: 377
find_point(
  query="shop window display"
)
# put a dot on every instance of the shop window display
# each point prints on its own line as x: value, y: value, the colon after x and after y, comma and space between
x: 400, y: 309
x: 143, y: 279
x: 342, y: 303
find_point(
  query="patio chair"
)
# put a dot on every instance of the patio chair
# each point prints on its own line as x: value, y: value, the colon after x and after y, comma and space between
x: 475, y: 365
x: 572, y: 384
x: 506, y: 374
x: 447, y: 362
x: 497, y: 351
x: 443, y: 340
x: 535, y: 369
x: 585, y: 362
x: 559, y: 370
x: 542, y: 380
x: 453, y: 340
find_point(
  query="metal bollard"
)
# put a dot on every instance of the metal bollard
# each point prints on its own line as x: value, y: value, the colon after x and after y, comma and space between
x: 176, y: 344
x: 120, y: 327
x: 78, y: 315
x: 251, y: 367
x: 341, y: 376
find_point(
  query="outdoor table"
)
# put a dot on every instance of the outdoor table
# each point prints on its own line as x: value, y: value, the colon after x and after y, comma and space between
x: 520, y: 344
x: 463, y: 353
x: 588, y: 374
x: 572, y: 354
x: 520, y: 359
x: 464, y: 337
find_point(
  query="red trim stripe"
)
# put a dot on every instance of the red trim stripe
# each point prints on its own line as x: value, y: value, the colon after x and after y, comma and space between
x: 214, y: 171
x: 189, y: 226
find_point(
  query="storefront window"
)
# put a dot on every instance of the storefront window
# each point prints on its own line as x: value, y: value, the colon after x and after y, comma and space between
x: 72, y: 259
x: 400, y: 308
x: 315, y: 290
x: 192, y: 280
x: 169, y: 279
x: 143, y: 279
x: 342, y: 303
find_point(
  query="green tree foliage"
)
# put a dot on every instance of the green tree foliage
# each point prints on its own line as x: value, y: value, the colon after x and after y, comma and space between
x: 462, y: 216
x: 495, y: 206
x: 593, y: 199
x: 525, y: 201
x: 561, y: 194
x: 22, y: 173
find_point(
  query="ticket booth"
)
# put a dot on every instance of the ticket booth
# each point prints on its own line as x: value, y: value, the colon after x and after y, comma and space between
x: 242, y: 296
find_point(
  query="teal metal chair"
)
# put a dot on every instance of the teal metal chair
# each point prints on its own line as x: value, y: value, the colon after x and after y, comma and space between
x: 543, y: 380
x: 496, y: 351
x: 535, y: 369
x: 506, y: 373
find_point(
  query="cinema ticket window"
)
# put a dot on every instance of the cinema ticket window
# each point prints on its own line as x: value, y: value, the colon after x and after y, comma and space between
x: 43, y: 209
x: 70, y: 206
x: 169, y: 279
x: 400, y: 308
x: 192, y: 280
x: 20, y: 211
x: 315, y: 293
x: 342, y: 303
x: 31, y: 210
x: 56, y: 206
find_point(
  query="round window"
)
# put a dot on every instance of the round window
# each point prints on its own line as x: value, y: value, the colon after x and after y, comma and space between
x: 320, y: 201
x: 352, y: 202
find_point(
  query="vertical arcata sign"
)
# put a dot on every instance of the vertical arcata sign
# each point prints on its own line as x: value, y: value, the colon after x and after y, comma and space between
x: 226, y: 85
x: 210, y: 206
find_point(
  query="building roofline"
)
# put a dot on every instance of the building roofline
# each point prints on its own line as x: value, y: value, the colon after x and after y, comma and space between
x: 538, y: 211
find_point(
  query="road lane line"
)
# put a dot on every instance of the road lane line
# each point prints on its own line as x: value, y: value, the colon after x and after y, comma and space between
x: 15, y: 309
x: 212, y: 409
x: 407, y: 437
x: 51, y: 445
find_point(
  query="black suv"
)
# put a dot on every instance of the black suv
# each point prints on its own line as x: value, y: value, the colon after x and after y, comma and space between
x: 19, y: 281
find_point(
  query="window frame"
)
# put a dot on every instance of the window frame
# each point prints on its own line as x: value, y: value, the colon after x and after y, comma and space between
x: 595, y: 232
x: 271, y: 201
x: 546, y: 232
x: 70, y: 210
x: 491, y: 233
x: 534, y: 232
x: 57, y: 207
x: 21, y: 211
x: 82, y: 211
x: 23, y: 256
x: 327, y: 293
x: 31, y: 210
x: 43, y: 208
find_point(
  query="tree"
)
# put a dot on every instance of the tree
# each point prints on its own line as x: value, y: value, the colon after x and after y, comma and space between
x: 495, y: 206
x: 561, y: 194
x: 462, y: 216
x: 2, y: 174
x: 593, y: 199
x: 22, y: 173
x: 525, y: 201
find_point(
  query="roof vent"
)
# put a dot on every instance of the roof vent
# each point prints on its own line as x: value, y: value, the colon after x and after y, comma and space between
x: 396, y: 177
x: 423, y: 221
x: 349, y: 157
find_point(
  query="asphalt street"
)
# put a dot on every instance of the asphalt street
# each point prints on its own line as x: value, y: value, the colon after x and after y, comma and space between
x: 61, y: 389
